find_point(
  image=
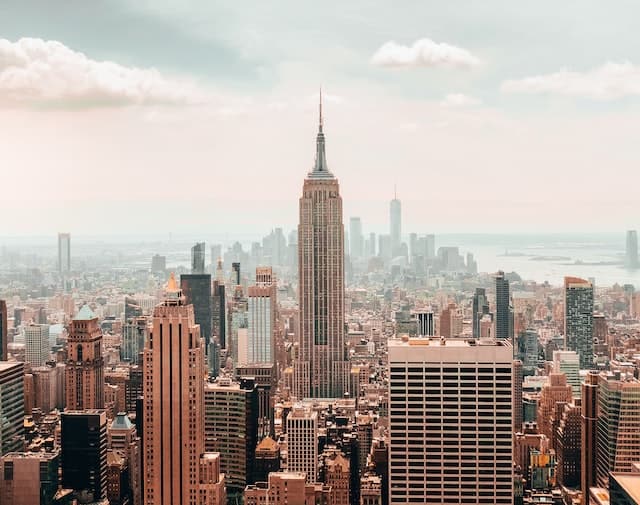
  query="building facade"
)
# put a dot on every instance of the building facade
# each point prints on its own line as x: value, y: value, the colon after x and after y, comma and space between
x: 12, y: 398
x: 578, y: 319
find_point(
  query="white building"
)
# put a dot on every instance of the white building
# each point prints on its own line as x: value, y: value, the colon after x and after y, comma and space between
x: 261, y: 318
x: 568, y: 362
x: 450, y: 416
x: 302, y: 442
x: 36, y: 341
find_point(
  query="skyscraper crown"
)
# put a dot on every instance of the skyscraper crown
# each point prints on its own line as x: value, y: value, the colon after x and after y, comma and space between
x: 320, y: 169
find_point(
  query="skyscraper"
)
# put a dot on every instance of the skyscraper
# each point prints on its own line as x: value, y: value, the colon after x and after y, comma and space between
x: 173, y: 405
x: 357, y: 239
x: 322, y: 369
x: 302, y: 442
x: 197, y: 258
x: 261, y: 317
x: 84, y: 452
x: 11, y: 406
x: 3, y: 331
x: 197, y: 292
x: 631, y: 257
x: 219, y: 312
x: 36, y: 340
x: 395, y: 224
x: 84, y: 372
x: 588, y: 456
x: 450, y: 422
x: 480, y: 308
x: 426, y: 324
x: 64, y: 252
x: 503, y: 310
x: 578, y: 319
x: 29, y: 478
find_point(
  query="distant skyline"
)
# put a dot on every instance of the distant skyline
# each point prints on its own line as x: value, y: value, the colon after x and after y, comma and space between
x: 151, y: 117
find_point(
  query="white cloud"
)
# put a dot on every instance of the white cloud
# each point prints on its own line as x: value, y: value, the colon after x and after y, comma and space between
x: 606, y: 82
x: 423, y: 53
x: 39, y: 72
x: 459, y: 100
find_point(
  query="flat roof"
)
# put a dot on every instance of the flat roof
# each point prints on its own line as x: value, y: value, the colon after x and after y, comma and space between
x: 630, y: 482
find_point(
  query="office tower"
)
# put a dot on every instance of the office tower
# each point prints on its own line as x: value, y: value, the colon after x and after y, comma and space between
x: 451, y: 321
x: 262, y: 304
x: 425, y: 322
x: 322, y: 369
x: 631, y: 256
x: 518, y: 407
x: 450, y: 421
x: 196, y: 289
x: 395, y: 224
x: 219, y: 312
x: 267, y: 459
x: 503, y: 311
x: 568, y: 362
x: 36, y: 340
x: 158, y: 264
x: 85, y: 365
x: 302, y: 442
x: 528, y: 351
x: 480, y: 308
x: 212, y: 480
x: 589, y: 435
x: 283, y: 488
x: 357, y: 239
x: 266, y: 381
x: 123, y: 438
x: 568, y: 450
x: 11, y: 406
x: 578, y: 319
x: 618, y: 439
x: 29, y: 478
x: 555, y: 390
x: 4, y: 333
x: 134, y: 333
x: 371, y: 245
x: 84, y: 452
x: 45, y: 388
x: 236, y: 278
x: 197, y: 258
x: 431, y: 246
x: 173, y: 404
x: 385, y: 247
x: 230, y: 428
x: 216, y: 254
x: 64, y: 252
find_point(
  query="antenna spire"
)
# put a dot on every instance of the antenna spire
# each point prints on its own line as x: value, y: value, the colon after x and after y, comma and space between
x: 320, y: 108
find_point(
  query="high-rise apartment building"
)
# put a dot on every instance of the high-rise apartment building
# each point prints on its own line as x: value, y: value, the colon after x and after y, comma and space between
x: 261, y: 317
x: 196, y: 289
x: 36, y: 344
x: 29, y: 478
x: 302, y: 442
x: 11, y: 406
x: 631, y: 256
x: 395, y: 224
x: 84, y: 372
x: 589, y: 434
x: 618, y: 439
x: 578, y: 319
x: 230, y: 428
x: 4, y: 331
x: 84, y: 452
x: 134, y: 333
x: 568, y: 362
x: 64, y: 252
x: 356, y: 237
x: 426, y: 323
x: 503, y: 307
x: 480, y: 308
x: 527, y: 349
x: 450, y: 421
x: 322, y: 369
x: 197, y: 258
x: 568, y: 449
x: 173, y: 405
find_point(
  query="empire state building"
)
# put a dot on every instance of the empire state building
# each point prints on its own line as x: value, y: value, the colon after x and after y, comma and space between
x: 322, y: 368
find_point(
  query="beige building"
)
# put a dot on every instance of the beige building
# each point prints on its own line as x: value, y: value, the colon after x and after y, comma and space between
x: 85, y: 365
x: 555, y: 390
x: 287, y: 488
x: 175, y: 470
x: 450, y: 421
x: 302, y: 442
x: 322, y: 369
x: 26, y: 477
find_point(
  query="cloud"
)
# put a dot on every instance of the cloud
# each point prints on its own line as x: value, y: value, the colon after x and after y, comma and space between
x: 38, y: 72
x: 459, y: 100
x: 606, y: 82
x: 423, y: 53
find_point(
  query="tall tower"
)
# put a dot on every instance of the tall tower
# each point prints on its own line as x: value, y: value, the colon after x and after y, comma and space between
x: 3, y: 331
x: 503, y: 311
x: 321, y: 371
x: 64, y: 252
x: 355, y: 235
x: 631, y: 257
x: 589, y: 435
x: 480, y: 309
x: 85, y: 365
x: 11, y: 406
x: 173, y: 405
x: 578, y: 318
x: 395, y: 221
x: 261, y: 303
x: 197, y: 258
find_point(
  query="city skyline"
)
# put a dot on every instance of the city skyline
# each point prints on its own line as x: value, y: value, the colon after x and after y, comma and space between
x: 459, y: 95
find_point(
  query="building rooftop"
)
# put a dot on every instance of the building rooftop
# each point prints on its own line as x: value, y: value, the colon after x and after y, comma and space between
x: 8, y: 365
x: 85, y: 314
x: 445, y: 342
x: 630, y: 482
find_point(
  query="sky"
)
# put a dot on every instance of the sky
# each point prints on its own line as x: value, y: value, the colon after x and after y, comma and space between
x: 145, y: 117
